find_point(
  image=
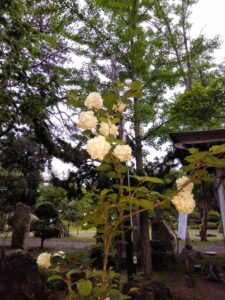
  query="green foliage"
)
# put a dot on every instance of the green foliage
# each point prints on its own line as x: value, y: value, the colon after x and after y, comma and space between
x: 195, y: 216
x: 194, y: 226
x: 55, y: 195
x: 212, y: 225
x: 214, y: 216
x: 46, y: 211
x: 44, y: 231
x: 84, y: 287
x: 202, y: 105
x: 46, y: 227
x: 220, y: 227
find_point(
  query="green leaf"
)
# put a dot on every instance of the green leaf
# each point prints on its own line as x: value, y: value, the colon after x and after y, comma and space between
x: 104, y: 168
x: 98, y: 292
x: 71, y: 272
x: 112, y: 139
x: 104, y: 192
x: 84, y: 287
x: 54, y: 277
x: 112, y: 174
x: 165, y: 203
x: 193, y: 150
x: 115, y: 120
x: 146, y: 204
x: 75, y: 103
x: 153, y: 179
x: 110, y: 100
x: 136, y: 85
x: 147, y: 179
x: 217, y: 149
x: 103, y: 119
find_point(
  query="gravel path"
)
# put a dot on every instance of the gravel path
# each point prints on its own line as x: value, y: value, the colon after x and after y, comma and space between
x: 34, y: 243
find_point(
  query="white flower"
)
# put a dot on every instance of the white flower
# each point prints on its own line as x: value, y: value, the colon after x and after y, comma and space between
x: 98, y: 147
x: 184, y: 200
x: 108, y: 128
x: 184, y: 203
x: 184, y: 183
x: 119, y: 106
x: 87, y: 120
x: 122, y: 152
x: 94, y: 100
x: 59, y: 253
x: 44, y: 260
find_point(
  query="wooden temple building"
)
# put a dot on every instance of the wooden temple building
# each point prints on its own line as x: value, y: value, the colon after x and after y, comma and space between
x: 203, y: 140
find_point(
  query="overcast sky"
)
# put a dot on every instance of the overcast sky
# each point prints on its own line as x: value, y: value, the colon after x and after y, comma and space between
x: 207, y: 18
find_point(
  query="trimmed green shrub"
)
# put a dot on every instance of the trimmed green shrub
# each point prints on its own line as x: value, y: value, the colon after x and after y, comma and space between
x: 194, y: 222
x: 45, y: 227
x: 44, y: 232
x: 213, y: 216
x: 194, y: 226
x: 212, y: 225
x: 195, y: 216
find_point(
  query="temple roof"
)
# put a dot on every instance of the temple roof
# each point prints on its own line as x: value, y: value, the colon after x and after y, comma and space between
x: 202, y: 140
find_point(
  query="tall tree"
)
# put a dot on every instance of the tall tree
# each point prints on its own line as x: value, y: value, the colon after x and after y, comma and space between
x: 33, y: 79
x: 150, y: 40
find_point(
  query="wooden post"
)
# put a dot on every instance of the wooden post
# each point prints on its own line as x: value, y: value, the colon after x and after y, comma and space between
x: 21, y: 226
x: 220, y: 175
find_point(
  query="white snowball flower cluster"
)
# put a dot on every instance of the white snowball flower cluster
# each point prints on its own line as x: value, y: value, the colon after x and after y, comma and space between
x: 122, y: 152
x: 184, y: 200
x: 87, y: 120
x: 108, y: 128
x: 119, y: 107
x: 60, y: 254
x: 98, y: 147
x: 184, y: 183
x: 94, y: 100
x: 44, y: 260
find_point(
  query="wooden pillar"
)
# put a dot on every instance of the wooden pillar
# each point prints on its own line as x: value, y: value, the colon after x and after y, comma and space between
x: 220, y: 173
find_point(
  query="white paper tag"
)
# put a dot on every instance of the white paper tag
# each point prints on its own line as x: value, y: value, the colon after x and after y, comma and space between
x: 182, y: 226
x: 135, y: 260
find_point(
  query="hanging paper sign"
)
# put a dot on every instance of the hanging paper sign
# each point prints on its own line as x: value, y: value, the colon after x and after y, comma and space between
x: 182, y: 226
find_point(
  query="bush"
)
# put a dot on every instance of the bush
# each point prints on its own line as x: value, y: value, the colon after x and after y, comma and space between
x: 45, y: 227
x: 174, y: 226
x: 220, y: 227
x: 46, y: 210
x: 194, y: 221
x: 45, y: 232
x: 194, y: 226
x: 213, y: 216
x: 212, y: 225
x: 195, y: 216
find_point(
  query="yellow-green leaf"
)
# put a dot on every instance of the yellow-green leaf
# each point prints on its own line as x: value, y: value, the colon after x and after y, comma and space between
x: 84, y: 287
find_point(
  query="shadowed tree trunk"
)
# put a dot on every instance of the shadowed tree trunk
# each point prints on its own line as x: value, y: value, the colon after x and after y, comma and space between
x: 203, y: 230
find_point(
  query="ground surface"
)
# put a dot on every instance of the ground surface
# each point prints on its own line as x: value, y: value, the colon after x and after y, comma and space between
x: 184, y: 287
